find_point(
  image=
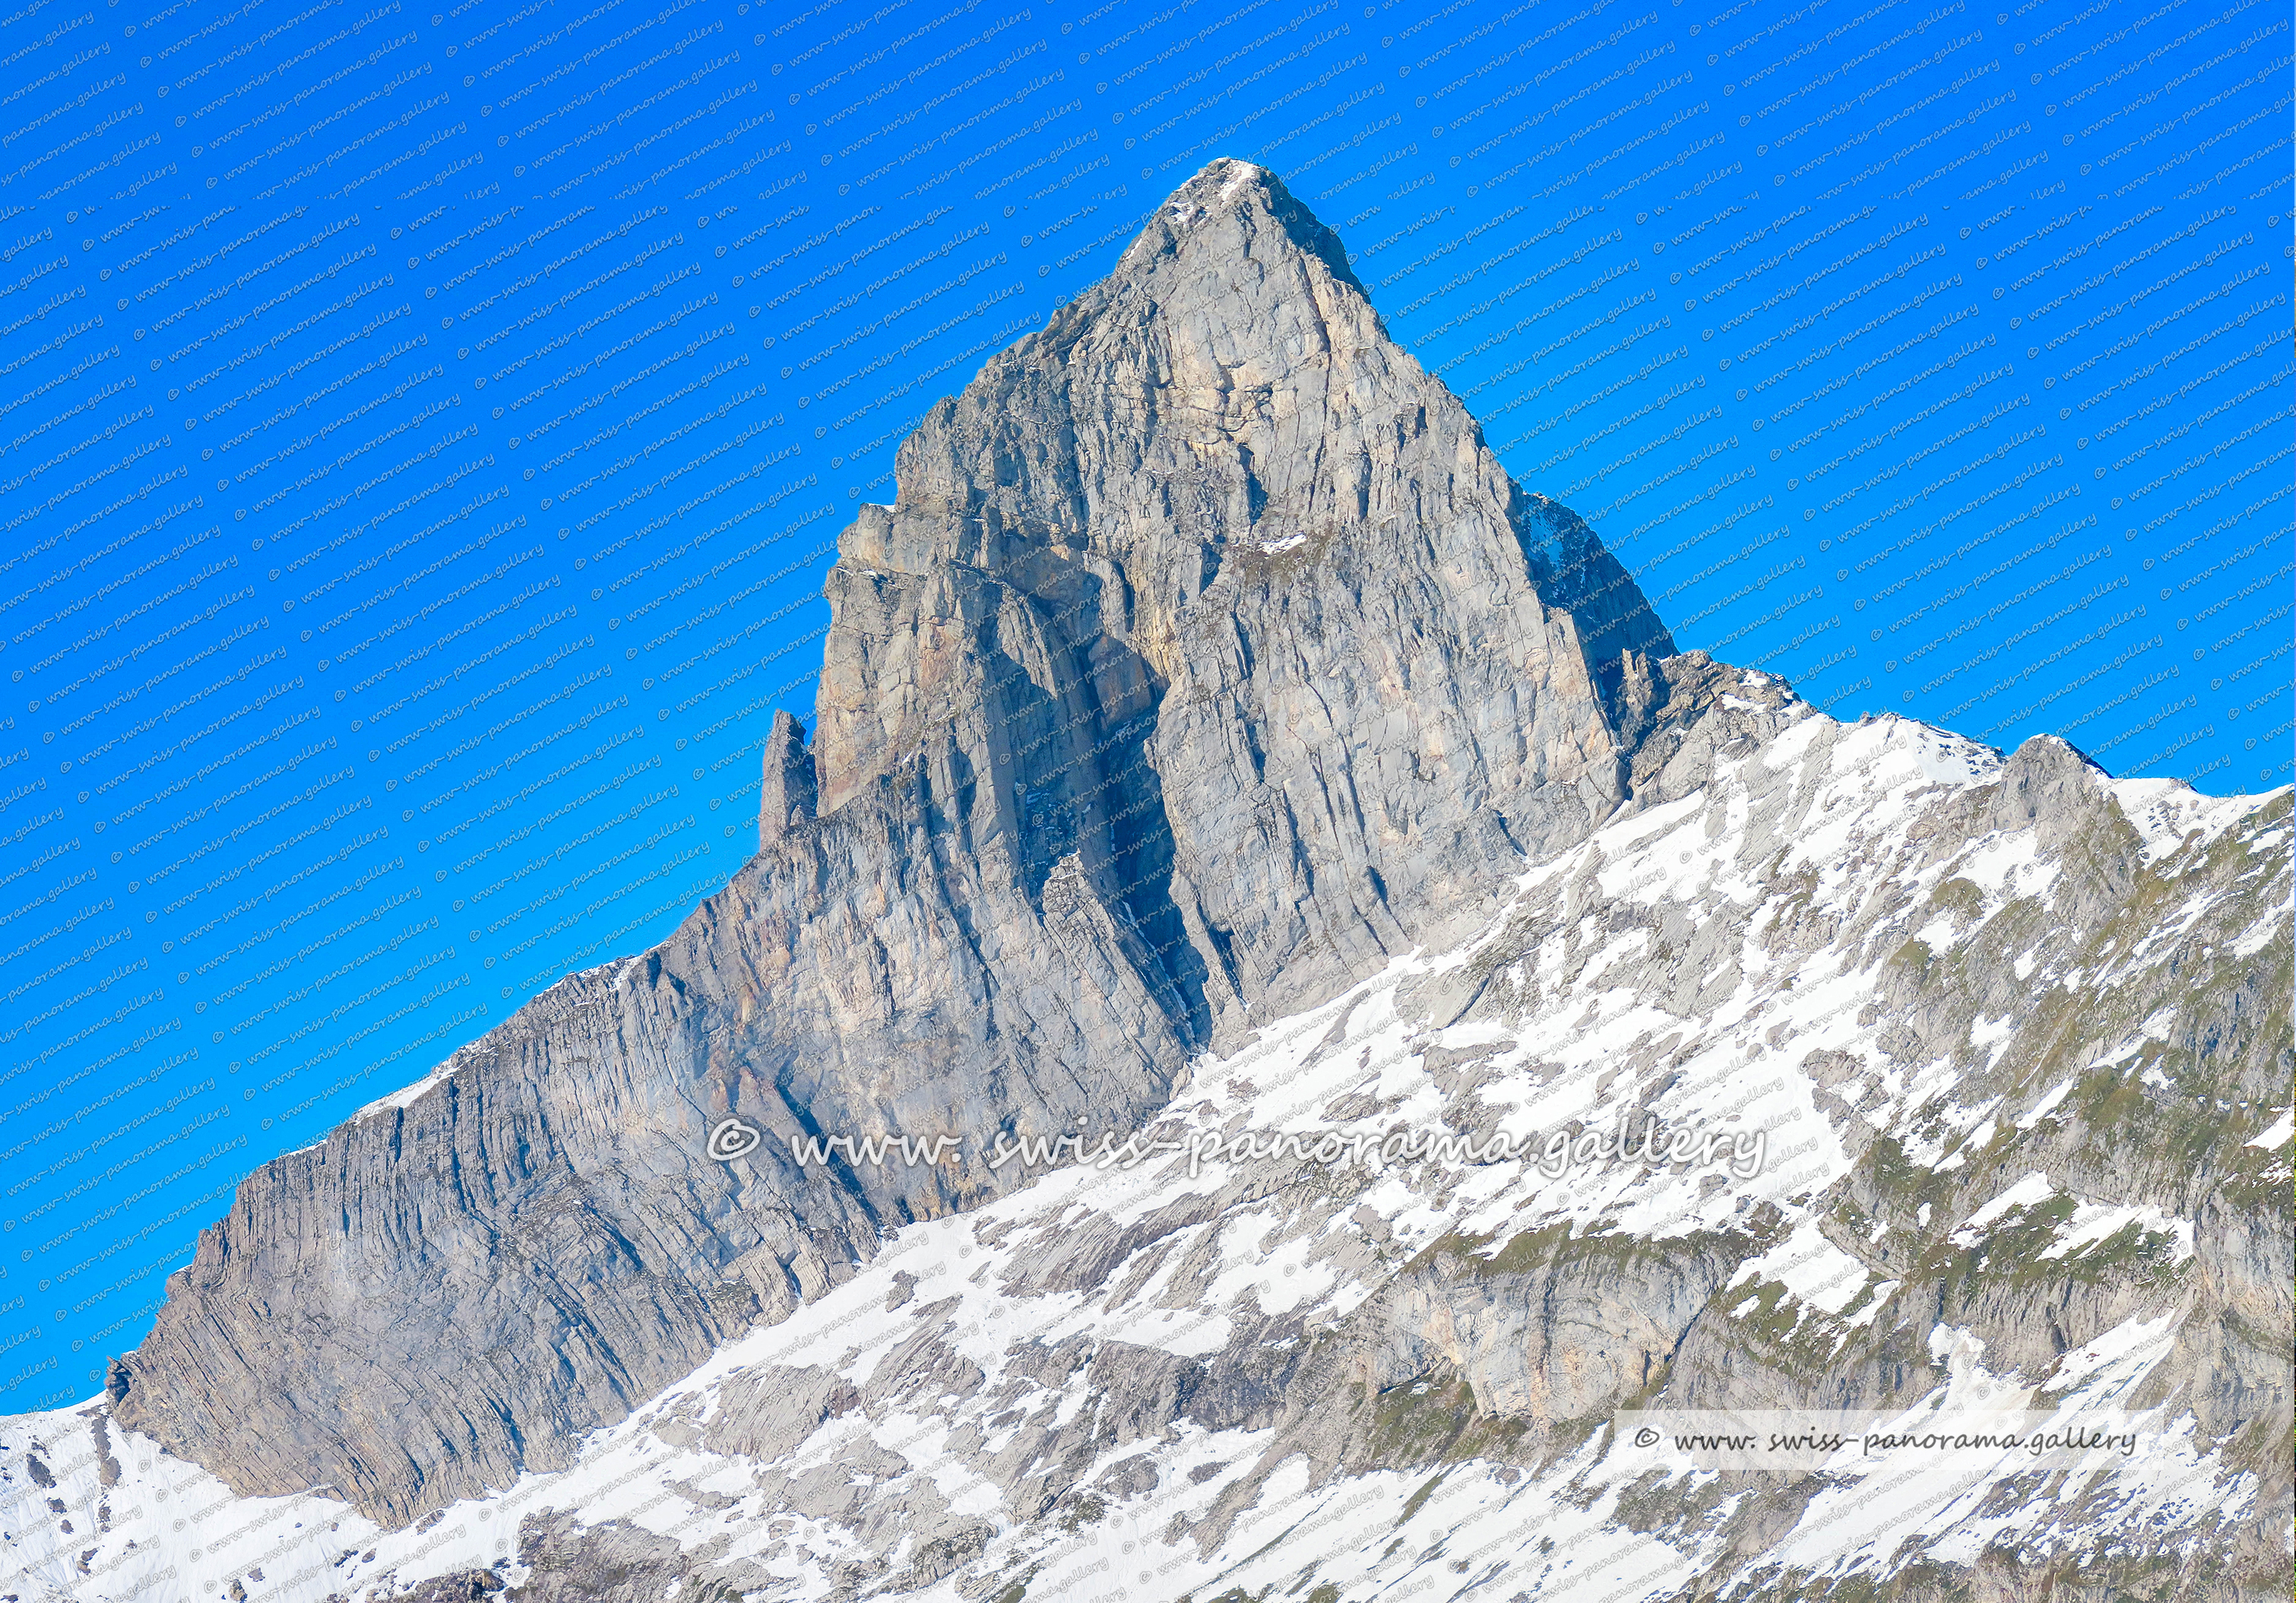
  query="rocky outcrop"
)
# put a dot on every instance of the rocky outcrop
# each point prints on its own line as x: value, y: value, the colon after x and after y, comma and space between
x: 1207, y: 660
x: 787, y: 794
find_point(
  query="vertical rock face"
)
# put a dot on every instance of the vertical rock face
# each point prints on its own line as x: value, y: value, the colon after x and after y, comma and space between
x: 1207, y: 660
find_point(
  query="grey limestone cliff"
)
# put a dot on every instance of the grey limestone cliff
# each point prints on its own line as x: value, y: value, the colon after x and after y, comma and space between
x: 1207, y: 660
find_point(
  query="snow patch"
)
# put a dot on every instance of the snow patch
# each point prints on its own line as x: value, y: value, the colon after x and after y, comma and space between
x: 2029, y: 1192
x: 2094, y: 1223
x: 2274, y: 1137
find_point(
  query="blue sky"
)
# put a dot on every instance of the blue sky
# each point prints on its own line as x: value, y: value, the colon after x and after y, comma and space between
x: 426, y: 432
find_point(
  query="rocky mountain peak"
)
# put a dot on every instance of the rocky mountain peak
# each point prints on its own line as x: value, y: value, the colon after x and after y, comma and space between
x: 1237, y: 603
x: 1206, y: 661
x: 1207, y: 667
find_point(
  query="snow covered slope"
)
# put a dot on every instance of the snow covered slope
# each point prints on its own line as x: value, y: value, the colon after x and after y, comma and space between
x: 1996, y: 1057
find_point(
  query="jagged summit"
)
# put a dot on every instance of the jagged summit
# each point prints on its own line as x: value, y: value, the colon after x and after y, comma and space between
x: 1231, y: 191
x: 1217, y: 480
